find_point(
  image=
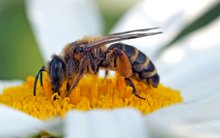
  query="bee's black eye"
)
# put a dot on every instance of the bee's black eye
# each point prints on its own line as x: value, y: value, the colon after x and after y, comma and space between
x: 79, y: 49
x: 57, y: 73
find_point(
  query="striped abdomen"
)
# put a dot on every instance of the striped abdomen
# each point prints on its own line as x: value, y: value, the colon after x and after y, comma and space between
x: 142, y: 66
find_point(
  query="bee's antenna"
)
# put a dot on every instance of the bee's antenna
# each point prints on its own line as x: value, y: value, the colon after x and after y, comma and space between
x: 36, y: 79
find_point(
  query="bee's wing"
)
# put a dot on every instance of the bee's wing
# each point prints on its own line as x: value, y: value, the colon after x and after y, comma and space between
x: 121, y: 36
x: 133, y: 31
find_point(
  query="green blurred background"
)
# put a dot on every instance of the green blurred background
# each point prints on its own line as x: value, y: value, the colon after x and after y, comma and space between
x: 19, y: 54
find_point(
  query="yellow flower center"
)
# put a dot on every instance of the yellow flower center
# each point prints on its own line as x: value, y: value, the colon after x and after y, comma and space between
x: 92, y: 92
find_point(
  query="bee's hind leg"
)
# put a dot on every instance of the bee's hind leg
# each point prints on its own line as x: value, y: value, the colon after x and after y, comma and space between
x: 130, y: 83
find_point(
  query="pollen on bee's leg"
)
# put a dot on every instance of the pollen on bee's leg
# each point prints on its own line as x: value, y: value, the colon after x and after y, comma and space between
x: 75, y: 96
x: 120, y: 83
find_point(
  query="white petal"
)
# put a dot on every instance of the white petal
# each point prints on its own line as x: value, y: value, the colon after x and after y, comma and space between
x: 54, y: 127
x: 5, y: 84
x: 59, y: 22
x: 15, y: 123
x: 119, y: 123
x: 197, y: 119
x: 170, y: 15
x: 18, y: 124
x: 196, y: 74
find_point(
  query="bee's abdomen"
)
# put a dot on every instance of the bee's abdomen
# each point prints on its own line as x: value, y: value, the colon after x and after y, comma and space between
x: 142, y: 66
x: 129, y: 50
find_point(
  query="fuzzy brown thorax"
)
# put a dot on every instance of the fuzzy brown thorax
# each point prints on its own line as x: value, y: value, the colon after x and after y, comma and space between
x: 70, y: 50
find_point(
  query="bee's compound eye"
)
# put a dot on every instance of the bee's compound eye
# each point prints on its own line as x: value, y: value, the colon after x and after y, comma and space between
x: 56, y: 72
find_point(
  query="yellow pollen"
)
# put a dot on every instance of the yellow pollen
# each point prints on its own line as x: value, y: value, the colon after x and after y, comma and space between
x: 92, y: 92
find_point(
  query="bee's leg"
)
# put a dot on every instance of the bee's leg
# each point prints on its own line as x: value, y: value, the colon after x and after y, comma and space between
x: 82, y: 66
x: 67, y: 86
x: 92, y: 65
x: 122, y: 63
x: 71, y: 71
x: 36, y: 79
x: 130, y: 83
x: 124, y: 68
x: 71, y: 68
x: 75, y: 82
x: 97, y: 72
x: 106, y: 73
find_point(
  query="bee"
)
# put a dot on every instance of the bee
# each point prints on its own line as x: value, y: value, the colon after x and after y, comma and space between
x: 90, y: 54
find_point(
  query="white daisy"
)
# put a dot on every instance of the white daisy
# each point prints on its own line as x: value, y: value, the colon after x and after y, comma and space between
x: 191, y: 66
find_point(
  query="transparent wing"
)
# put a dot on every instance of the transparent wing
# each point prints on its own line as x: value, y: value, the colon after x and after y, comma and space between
x: 122, y: 36
x: 133, y: 31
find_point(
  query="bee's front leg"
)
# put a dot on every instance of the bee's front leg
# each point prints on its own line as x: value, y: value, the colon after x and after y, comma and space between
x: 82, y: 68
x: 71, y: 71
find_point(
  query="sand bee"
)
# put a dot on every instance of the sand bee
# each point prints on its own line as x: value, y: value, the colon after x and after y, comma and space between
x: 90, y: 54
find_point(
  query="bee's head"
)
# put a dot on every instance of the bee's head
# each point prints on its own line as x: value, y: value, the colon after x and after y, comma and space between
x: 56, y: 72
